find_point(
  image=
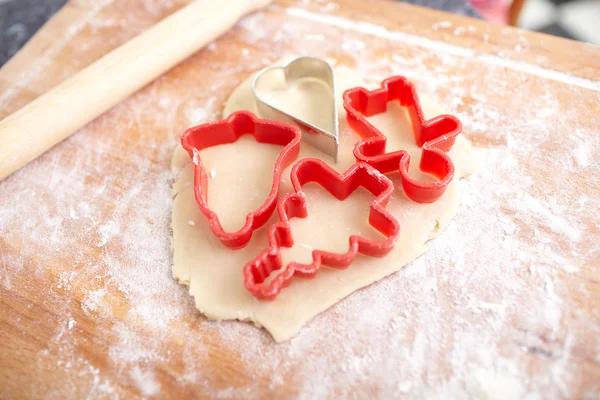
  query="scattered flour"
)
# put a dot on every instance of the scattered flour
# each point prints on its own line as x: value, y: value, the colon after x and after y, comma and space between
x: 145, y: 381
x: 92, y: 301
x: 582, y: 154
x: 441, y: 25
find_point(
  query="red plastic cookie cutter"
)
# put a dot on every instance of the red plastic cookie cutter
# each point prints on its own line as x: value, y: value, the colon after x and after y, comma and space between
x: 293, y: 205
x: 229, y: 130
x: 435, y: 136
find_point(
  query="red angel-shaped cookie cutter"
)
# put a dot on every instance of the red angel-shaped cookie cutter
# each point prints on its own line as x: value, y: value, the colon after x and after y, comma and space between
x: 435, y: 136
x: 229, y: 130
x: 293, y: 205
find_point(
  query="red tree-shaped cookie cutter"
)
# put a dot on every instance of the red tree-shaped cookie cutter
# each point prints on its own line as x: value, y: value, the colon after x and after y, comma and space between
x: 435, y: 136
x: 293, y: 205
x: 229, y: 130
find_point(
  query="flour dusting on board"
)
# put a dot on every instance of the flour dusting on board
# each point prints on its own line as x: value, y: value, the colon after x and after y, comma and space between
x: 496, y: 309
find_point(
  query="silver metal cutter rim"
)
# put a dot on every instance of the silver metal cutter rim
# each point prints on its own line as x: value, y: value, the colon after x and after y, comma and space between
x: 298, y: 68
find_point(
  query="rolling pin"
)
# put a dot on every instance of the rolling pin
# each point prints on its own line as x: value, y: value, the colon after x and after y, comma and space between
x: 63, y: 110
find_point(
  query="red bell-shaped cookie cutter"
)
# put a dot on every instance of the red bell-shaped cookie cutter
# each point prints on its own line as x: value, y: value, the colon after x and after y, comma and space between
x: 229, y: 130
x: 435, y: 136
x: 293, y: 205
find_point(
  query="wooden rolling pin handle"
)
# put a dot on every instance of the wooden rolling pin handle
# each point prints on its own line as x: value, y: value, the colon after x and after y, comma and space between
x: 55, y: 115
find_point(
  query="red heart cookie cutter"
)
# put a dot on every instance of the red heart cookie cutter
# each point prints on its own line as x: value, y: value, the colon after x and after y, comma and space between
x: 229, y: 130
x: 435, y: 136
x: 293, y: 205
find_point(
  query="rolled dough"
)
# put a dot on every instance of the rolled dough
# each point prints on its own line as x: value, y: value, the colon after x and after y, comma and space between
x: 240, y: 179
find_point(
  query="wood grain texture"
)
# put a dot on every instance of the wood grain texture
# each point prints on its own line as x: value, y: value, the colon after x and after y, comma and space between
x: 111, y: 79
x: 54, y: 214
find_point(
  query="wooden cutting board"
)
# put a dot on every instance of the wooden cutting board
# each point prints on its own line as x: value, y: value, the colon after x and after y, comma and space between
x: 506, y: 304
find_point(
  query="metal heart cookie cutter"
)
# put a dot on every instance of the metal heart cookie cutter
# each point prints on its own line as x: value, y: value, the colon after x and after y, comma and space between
x: 325, y: 139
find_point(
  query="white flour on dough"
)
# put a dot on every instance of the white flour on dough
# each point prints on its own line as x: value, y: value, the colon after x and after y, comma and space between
x: 240, y: 178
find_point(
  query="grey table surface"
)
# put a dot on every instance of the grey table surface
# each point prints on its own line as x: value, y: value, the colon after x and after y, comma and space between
x: 20, y: 19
